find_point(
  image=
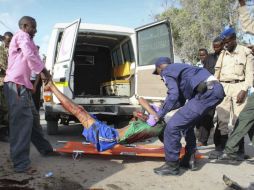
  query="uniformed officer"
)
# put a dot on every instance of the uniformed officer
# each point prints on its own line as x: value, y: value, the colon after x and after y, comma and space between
x: 234, y: 69
x: 245, y: 121
x: 203, y: 92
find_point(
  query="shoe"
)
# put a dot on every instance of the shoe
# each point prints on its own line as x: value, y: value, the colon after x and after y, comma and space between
x: 169, y: 168
x: 201, y: 144
x: 234, y: 157
x: 50, y: 153
x: 215, y: 154
x: 229, y: 157
x: 189, y: 161
x: 29, y: 171
x: 242, y: 157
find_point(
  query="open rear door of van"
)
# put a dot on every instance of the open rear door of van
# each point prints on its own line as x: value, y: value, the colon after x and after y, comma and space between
x: 153, y: 40
x: 63, y: 67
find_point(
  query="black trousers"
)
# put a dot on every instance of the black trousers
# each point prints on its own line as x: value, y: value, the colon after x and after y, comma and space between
x: 37, y: 95
x: 204, y: 126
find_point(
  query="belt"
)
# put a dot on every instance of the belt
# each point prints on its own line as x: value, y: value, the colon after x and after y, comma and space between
x: 233, y: 81
x: 204, y: 86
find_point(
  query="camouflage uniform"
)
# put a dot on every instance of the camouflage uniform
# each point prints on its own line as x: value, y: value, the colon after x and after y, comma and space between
x: 3, y: 67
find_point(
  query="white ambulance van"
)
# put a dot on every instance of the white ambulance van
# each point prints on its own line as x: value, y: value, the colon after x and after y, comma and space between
x: 105, y: 68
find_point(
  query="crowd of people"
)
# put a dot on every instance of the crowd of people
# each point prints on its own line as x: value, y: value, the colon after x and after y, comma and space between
x: 220, y: 84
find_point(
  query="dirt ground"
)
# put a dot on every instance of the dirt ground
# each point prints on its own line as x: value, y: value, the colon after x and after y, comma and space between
x: 115, y: 173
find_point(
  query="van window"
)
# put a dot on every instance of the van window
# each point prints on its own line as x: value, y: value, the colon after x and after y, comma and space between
x: 84, y: 59
x: 154, y: 42
x: 117, y: 57
x: 128, y: 53
x: 58, y: 44
x: 115, y: 60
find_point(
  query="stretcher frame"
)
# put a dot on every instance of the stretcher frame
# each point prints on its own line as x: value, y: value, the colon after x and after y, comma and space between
x: 156, y: 151
x: 145, y: 150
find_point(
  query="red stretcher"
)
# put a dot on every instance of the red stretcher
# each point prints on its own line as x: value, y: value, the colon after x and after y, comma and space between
x: 155, y: 151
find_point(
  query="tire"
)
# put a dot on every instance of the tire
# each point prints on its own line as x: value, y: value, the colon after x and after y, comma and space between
x: 52, y: 127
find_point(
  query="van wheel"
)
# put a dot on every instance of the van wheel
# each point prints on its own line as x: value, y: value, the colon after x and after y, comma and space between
x: 52, y: 127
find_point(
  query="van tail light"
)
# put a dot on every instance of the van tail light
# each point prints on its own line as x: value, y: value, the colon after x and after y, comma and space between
x: 47, y: 96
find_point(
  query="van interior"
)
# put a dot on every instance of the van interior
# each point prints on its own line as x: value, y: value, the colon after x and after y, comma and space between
x: 102, y: 65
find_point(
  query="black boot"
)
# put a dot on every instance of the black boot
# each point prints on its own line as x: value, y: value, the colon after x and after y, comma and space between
x: 233, y: 157
x: 189, y: 161
x: 219, y: 148
x: 169, y: 168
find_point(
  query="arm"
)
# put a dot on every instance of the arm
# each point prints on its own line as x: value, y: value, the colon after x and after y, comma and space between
x: 248, y: 77
x: 249, y: 71
x: 45, y: 75
x: 146, y: 106
x: 36, y: 82
x: 246, y: 22
x: 172, y: 97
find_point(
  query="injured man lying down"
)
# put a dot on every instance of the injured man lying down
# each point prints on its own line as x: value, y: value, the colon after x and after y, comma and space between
x: 105, y: 137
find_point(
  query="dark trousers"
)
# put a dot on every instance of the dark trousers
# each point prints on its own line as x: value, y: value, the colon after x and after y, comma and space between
x: 244, y: 125
x: 24, y: 126
x: 184, y: 120
x: 3, y: 108
x: 204, y: 126
x: 219, y: 140
x: 37, y: 95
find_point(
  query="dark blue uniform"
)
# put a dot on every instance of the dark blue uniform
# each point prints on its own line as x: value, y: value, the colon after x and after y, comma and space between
x: 182, y: 81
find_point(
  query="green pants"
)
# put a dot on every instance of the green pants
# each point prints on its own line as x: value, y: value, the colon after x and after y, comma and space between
x: 3, y: 108
x: 244, y: 125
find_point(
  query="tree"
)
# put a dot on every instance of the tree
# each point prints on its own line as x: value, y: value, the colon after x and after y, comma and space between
x: 195, y: 23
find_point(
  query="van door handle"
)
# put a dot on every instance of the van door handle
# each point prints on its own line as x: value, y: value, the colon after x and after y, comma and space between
x: 101, y: 101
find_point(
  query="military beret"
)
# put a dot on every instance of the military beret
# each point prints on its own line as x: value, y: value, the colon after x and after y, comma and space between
x: 227, y: 32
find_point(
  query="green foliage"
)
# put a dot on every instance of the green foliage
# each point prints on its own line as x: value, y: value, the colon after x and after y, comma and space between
x: 195, y: 23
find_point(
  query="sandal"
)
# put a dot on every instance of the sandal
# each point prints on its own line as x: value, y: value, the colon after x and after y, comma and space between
x: 29, y: 171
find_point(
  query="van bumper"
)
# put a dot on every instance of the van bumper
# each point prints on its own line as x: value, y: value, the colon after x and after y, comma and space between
x: 58, y: 109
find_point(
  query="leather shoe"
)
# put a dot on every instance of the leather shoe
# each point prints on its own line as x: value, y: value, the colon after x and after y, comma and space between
x: 229, y: 157
x: 49, y: 153
x: 233, y: 157
x: 215, y: 154
x: 169, y: 168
